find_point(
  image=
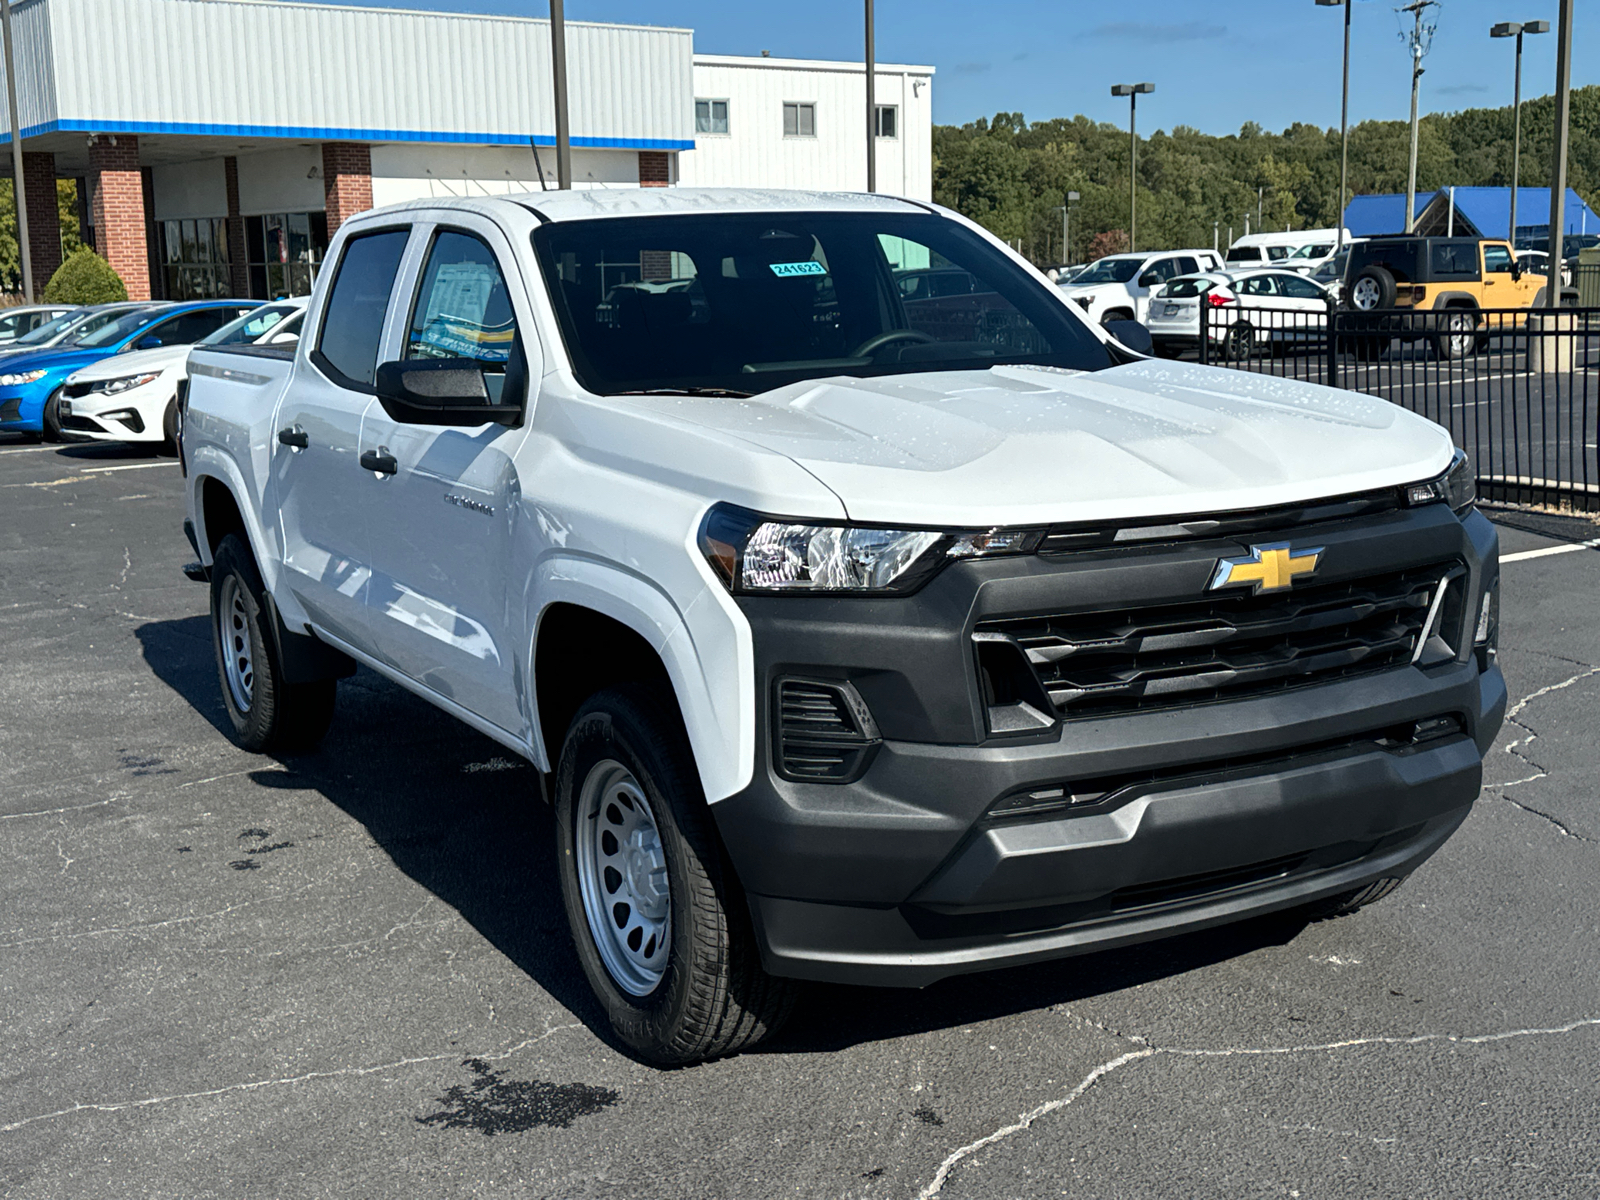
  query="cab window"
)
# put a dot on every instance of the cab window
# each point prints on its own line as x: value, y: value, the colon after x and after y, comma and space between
x: 347, y: 348
x: 462, y: 309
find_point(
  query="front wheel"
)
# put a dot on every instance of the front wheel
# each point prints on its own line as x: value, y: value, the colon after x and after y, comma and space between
x: 266, y: 712
x: 51, y: 419
x: 661, y: 927
x: 1345, y: 903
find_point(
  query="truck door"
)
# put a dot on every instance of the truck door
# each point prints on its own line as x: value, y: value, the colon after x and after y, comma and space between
x: 445, y: 601
x: 321, y: 488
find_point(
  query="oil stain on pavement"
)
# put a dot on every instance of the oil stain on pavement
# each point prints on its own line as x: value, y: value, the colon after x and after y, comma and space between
x: 492, y: 1104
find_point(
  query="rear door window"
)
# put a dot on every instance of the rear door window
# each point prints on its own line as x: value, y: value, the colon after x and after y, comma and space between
x: 1455, y: 260
x: 347, y: 347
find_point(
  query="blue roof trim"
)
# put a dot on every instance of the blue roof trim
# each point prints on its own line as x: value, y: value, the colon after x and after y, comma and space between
x: 332, y: 134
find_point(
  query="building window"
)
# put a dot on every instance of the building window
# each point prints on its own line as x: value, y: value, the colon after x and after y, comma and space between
x: 711, y: 116
x: 283, y: 251
x: 888, y: 121
x: 799, y: 120
x: 194, y: 256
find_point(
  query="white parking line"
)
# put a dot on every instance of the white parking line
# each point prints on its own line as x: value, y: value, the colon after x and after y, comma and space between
x: 129, y: 467
x: 1572, y: 548
x: 29, y: 449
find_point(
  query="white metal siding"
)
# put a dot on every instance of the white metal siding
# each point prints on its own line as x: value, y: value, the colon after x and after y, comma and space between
x: 755, y: 152
x: 262, y: 68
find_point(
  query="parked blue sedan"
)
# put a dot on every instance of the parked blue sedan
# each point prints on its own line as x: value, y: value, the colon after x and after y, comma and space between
x: 27, y: 381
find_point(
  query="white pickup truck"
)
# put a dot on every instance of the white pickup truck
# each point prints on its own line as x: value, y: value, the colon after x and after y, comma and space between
x: 857, y: 637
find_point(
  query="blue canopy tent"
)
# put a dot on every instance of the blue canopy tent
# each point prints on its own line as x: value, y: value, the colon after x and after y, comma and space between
x: 1478, y: 212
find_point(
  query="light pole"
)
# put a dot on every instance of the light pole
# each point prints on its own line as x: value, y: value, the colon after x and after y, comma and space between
x: 1066, y: 230
x: 18, y: 190
x: 1504, y: 30
x: 872, y: 108
x: 558, y: 63
x: 1558, y: 156
x: 1344, y: 122
x: 1133, y: 91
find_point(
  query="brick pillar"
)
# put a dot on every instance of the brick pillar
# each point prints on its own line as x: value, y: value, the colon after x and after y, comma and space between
x: 44, y: 217
x: 238, y: 268
x: 655, y: 168
x: 119, y: 219
x: 346, y: 181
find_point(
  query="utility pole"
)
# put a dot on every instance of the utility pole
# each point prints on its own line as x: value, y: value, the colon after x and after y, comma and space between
x: 1132, y: 91
x: 1344, y: 123
x: 1421, y: 40
x: 19, y: 191
x: 1558, y: 162
x: 558, y: 58
x: 872, y: 108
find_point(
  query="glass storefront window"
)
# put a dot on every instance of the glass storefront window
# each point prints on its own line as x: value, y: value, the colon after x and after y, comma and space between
x: 195, y: 254
x: 284, y: 251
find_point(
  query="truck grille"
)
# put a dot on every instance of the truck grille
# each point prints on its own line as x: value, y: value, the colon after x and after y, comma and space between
x: 1224, y: 646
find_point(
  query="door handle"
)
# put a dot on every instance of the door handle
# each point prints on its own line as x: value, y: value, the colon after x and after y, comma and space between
x: 294, y: 436
x: 379, y: 460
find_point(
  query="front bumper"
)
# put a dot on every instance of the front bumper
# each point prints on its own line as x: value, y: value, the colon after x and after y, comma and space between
x: 22, y: 408
x: 131, y: 416
x: 1218, y: 810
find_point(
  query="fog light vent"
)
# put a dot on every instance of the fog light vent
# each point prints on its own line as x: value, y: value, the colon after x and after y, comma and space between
x: 824, y: 732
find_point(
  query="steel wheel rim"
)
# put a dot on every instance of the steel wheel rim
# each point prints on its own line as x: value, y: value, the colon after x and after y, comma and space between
x: 1460, y: 339
x: 1364, y: 294
x: 233, y: 635
x: 622, y: 876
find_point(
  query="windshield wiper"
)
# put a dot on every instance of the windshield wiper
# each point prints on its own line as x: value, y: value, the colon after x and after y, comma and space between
x: 685, y: 391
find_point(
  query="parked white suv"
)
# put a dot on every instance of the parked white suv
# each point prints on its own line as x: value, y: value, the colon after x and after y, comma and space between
x: 1118, y: 287
x: 855, y: 636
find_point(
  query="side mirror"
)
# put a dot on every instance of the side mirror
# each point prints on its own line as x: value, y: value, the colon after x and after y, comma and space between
x: 1516, y: 270
x: 449, y: 391
x: 1149, y: 279
x: 1133, y: 335
x: 149, y: 342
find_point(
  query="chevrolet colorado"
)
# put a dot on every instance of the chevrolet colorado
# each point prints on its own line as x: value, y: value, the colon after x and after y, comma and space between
x: 856, y: 636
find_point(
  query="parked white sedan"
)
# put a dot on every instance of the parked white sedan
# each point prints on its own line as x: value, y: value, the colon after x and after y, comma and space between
x: 1261, y: 309
x: 133, y: 397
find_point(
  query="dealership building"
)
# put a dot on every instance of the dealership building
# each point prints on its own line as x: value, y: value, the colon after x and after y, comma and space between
x: 218, y: 144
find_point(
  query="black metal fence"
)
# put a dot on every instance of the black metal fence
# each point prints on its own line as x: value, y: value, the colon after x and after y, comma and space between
x: 1519, y: 390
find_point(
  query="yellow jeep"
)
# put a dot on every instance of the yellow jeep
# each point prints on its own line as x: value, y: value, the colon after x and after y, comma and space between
x: 1468, y: 278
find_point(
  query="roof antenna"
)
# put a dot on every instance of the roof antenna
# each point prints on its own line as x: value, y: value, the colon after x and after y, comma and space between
x: 534, y: 146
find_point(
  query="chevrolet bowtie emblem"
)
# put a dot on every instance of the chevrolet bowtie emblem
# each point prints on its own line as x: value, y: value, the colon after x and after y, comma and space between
x: 1268, y: 568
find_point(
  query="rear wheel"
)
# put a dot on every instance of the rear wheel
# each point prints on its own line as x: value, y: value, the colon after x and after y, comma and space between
x: 660, y: 924
x: 267, y: 713
x: 1239, y: 342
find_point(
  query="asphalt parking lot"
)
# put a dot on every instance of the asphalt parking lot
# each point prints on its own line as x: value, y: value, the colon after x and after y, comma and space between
x: 347, y: 973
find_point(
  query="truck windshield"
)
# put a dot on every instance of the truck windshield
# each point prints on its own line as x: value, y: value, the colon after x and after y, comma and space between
x: 1109, y: 270
x: 743, y: 303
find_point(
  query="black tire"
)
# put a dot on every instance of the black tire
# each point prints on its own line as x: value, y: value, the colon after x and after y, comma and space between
x: 712, y: 997
x: 52, y: 417
x: 169, y: 429
x: 1168, y: 350
x: 1457, y: 334
x: 1240, y: 342
x: 1379, y: 294
x: 1345, y: 903
x: 274, y: 715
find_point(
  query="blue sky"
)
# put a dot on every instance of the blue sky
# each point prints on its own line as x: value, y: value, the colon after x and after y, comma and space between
x: 1215, y: 66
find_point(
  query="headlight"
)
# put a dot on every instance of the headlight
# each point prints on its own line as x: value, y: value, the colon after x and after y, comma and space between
x: 19, y: 380
x: 1457, y: 487
x: 753, y: 553
x: 112, y: 386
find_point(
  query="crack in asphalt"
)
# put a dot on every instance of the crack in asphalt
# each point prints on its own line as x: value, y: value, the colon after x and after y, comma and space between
x: 255, y: 1084
x: 1540, y: 771
x: 1026, y: 1120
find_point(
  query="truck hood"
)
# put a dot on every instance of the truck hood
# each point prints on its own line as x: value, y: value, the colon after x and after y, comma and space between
x: 1033, y: 445
x: 135, y: 363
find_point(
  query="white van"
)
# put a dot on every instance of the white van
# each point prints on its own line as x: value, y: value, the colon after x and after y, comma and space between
x: 1278, y: 249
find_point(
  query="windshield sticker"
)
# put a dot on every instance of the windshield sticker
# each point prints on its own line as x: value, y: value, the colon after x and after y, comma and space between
x: 799, y: 268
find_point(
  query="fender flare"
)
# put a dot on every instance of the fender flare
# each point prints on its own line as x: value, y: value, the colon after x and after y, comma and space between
x: 207, y: 462
x: 707, y: 650
x: 1453, y: 300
